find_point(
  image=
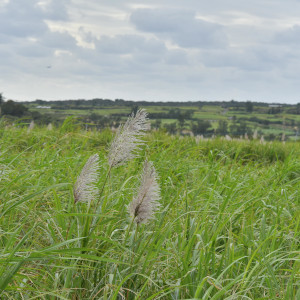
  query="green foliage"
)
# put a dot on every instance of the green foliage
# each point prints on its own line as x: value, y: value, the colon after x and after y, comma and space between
x: 238, y: 129
x: 228, y: 227
x: 249, y: 106
x: 70, y: 124
x: 12, y: 108
x: 222, y: 127
x: 105, y: 113
x: 171, y: 128
x: 200, y: 127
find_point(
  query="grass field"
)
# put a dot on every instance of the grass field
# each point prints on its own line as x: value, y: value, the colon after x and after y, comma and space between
x: 227, y: 227
x: 271, y: 124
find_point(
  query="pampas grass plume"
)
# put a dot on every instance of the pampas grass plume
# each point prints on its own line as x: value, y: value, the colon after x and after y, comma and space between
x: 146, y: 202
x: 255, y: 135
x: 85, y: 189
x: 128, y: 139
x: 49, y: 127
x: 31, y: 126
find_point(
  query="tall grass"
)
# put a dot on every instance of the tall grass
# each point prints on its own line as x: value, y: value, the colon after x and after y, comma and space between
x: 227, y: 226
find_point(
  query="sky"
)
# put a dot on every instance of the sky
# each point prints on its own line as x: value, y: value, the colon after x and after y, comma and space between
x: 158, y: 50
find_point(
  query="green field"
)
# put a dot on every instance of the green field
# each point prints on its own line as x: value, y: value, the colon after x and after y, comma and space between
x: 227, y: 226
x: 270, y: 121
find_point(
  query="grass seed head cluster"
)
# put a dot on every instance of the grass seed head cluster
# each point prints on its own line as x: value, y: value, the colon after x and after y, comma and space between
x: 123, y: 148
x: 128, y: 139
x: 85, y: 189
x: 146, y: 202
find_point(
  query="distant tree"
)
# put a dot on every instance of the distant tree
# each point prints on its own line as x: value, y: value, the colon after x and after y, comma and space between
x: 36, y: 115
x: 94, y: 117
x: 234, y: 128
x: 40, y: 102
x: 292, y: 122
x: 200, y: 127
x: 40, y: 118
x: 134, y: 109
x: 171, y: 128
x: 1, y: 101
x: 275, y: 110
x: 12, y: 108
x: 1, y: 98
x: 100, y: 121
x: 243, y: 128
x: 222, y: 127
x: 249, y: 106
x: 157, y: 124
x: 181, y: 121
x: 188, y: 114
x: 271, y: 137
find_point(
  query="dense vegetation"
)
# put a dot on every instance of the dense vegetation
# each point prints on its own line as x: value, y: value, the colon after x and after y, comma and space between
x: 227, y: 228
x: 274, y: 122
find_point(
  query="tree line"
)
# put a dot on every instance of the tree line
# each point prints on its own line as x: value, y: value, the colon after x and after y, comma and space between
x: 184, y: 120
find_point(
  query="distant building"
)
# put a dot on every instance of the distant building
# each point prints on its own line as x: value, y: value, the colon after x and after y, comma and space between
x: 45, y: 107
x: 275, y: 105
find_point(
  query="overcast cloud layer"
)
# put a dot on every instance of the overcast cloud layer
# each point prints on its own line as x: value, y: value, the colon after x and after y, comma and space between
x: 150, y: 50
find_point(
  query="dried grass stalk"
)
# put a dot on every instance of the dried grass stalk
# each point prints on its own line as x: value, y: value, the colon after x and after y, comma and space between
x: 85, y: 189
x: 128, y: 139
x: 146, y: 202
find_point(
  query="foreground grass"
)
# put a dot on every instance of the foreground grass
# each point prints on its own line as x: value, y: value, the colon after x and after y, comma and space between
x: 228, y: 227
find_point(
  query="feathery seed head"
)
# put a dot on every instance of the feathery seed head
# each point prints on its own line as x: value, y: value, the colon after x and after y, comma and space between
x: 84, y: 189
x: 255, y: 135
x: 31, y: 126
x: 144, y: 205
x: 49, y: 127
x: 228, y: 138
x: 128, y: 139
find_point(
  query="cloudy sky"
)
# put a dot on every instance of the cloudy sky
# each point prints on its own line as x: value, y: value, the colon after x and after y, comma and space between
x: 150, y: 50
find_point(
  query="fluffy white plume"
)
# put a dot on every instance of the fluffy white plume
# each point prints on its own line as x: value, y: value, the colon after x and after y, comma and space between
x: 228, y: 138
x: 85, y: 189
x: 31, y: 126
x: 146, y: 202
x: 255, y: 135
x: 128, y: 139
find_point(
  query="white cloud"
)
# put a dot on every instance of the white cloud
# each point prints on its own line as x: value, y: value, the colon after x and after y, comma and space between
x: 54, y: 9
x: 289, y: 37
x: 181, y: 27
x: 160, y: 51
x: 129, y: 44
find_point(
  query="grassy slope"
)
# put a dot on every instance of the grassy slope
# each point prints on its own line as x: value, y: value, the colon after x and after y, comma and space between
x: 228, y: 227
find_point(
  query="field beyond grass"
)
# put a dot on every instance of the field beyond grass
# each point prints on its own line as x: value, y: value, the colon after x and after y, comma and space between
x: 227, y: 228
